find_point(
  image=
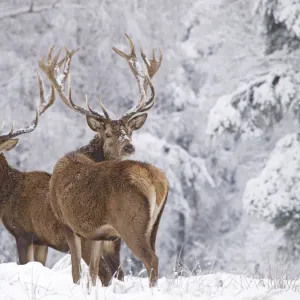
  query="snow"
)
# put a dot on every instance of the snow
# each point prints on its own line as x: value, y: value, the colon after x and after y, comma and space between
x: 275, y: 192
x: 223, y: 117
x: 190, y: 167
x: 33, y: 281
x: 283, y: 11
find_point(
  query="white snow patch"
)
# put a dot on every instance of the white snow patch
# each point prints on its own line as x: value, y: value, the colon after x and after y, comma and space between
x: 33, y: 281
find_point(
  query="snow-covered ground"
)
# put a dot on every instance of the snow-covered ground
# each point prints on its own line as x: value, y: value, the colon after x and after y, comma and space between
x: 33, y: 281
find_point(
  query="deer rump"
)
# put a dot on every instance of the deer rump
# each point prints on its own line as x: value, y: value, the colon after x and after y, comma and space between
x: 109, y: 199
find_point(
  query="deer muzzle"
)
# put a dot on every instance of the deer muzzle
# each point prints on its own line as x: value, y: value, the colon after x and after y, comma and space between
x: 128, y: 149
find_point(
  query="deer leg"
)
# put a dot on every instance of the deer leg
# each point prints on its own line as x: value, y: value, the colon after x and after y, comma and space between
x: 105, y: 273
x: 86, y: 250
x: 110, y: 265
x: 137, y: 236
x: 40, y: 254
x: 24, y: 249
x: 115, y: 261
x: 142, y: 249
x: 150, y: 261
x: 153, y: 269
x: 94, y: 261
x: 30, y: 253
x: 74, y: 244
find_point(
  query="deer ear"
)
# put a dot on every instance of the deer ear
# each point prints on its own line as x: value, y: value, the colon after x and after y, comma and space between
x: 8, y: 145
x: 137, y: 122
x: 95, y: 124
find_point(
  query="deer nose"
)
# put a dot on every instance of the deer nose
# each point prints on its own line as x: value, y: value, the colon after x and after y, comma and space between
x: 129, y: 149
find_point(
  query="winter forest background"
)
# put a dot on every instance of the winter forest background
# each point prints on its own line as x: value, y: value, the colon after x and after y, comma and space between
x: 224, y: 126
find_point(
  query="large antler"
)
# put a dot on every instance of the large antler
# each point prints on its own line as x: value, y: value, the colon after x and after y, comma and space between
x: 59, y: 81
x: 44, y: 104
x: 143, y: 79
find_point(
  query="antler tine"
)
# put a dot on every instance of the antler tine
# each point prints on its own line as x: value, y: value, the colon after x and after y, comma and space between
x: 58, y: 79
x: 29, y: 128
x: 106, y: 119
x: 152, y: 66
x: 132, y: 49
x: 45, y: 104
x: 103, y: 108
x: 139, y: 75
x: 50, y: 54
x: 87, y: 112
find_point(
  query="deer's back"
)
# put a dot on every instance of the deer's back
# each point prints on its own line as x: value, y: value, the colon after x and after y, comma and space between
x: 96, y: 192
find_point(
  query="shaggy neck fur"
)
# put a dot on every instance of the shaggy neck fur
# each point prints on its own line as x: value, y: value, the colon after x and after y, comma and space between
x: 8, y: 177
x: 3, y: 169
x: 94, y: 150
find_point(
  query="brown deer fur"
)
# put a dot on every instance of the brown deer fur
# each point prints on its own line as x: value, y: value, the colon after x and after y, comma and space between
x: 106, y: 200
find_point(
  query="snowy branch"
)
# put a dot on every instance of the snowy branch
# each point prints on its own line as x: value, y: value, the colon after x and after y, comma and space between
x: 283, y: 11
x: 254, y: 107
x: 281, y: 23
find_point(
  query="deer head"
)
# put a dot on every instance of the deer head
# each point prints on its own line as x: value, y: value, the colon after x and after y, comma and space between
x: 115, y: 135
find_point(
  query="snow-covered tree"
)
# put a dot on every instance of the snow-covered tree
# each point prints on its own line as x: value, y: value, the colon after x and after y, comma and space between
x: 281, y: 23
x: 275, y: 194
x: 256, y: 106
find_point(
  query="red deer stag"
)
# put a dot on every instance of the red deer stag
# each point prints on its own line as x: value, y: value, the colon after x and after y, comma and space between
x: 110, y: 199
